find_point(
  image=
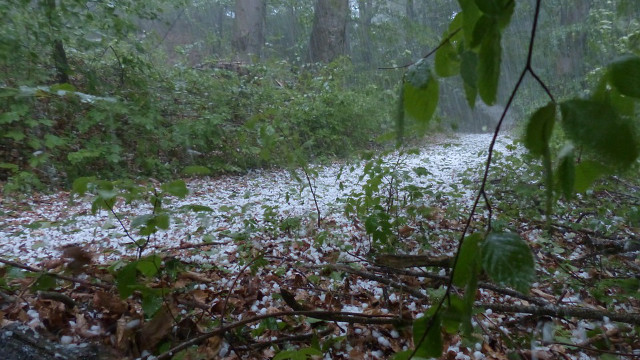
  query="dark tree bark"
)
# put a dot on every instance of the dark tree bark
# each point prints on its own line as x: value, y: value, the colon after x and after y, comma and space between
x: 248, y: 29
x: 365, y: 15
x: 571, y: 54
x: 328, y: 35
x: 58, y: 53
x: 410, y: 10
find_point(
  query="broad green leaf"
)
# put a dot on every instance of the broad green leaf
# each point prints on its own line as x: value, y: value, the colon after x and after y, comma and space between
x: 107, y: 194
x: 162, y: 221
x: 586, y: 173
x: 457, y: 315
x: 598, y: 129
x: 539, y: 129
x: 499, y: 9
x: 491, y: 7
x: 468, y: 260
x: 468, y: 72
x: 152, y: 300
x: 176, y: 188
x: 471, y: 14
x: 196, y: 170
x: 44, y: 282
x: 299, y: 354
x: 431, y: 345
x: 566, y: 171
x: 447, y: 62
x: 507, y: 259
x: 420, y: 93
x: 624, y: 75
x: 489, y: 58
x: 404, y: 355
x: 126, y: 279
x: 141, y: 220
x: 149, y: 266
x: 482, y: 29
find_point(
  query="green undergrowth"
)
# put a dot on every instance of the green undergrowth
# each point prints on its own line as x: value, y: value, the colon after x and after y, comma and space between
x: 173, y: 122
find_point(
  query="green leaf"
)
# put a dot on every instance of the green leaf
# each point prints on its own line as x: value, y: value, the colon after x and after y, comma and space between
x: 196, y: 170
x: 471, y: 14
x: 196, y: 208
x: 447, y: 62
x: 507, y: 259
x: 16, y: 135
x: 126, y: 279
x: 152, y: 300
x: 141, y: 220
x: 420, y: 93
x: 586, y: 173
x: 499, y: 9
x: 624, y: 75
x: 432, y: 344
x: 404, y: 355
x: 299, y: 354
x: 489, y: 58
x: 482, y: 29
x: 11, y: 167
x: 597, y: 127
x: 539, y: 129
x: 176, y: 188
x: 566, y: 171
x: 468, y: 73
x: 150, y: 223
x: 456, y: 315
x: 162, y: 221
x: 468, y: 260
x: 44, y: 282
x: 149, y: 266
x: 52, y: 141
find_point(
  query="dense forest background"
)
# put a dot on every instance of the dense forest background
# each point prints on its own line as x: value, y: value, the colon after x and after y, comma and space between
x: 146, y: 89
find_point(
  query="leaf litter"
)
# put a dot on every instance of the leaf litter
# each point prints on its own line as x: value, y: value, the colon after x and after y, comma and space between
x: 243, y: 242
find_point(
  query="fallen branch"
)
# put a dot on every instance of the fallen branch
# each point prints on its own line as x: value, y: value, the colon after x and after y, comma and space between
x: 481, y: 285
x: 59, y: 276
x: 440, y: 278
x: 288, y: 339
x: 414, y: 292
x: 563, y: 312
x: 406, y: 261
x: 348, y: 317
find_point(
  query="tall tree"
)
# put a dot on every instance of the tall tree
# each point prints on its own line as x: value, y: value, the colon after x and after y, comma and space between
x: 248, y: 31
x: 365, y: 16
x: 328, y: 35
x: 59, y: 55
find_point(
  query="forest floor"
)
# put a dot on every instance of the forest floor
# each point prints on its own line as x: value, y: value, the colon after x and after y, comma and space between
x: 252, y: 248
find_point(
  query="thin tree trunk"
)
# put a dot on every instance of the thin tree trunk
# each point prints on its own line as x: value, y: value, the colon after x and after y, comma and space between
x: 328, y: 35
x: 248, y: 36
x: 59, y: 55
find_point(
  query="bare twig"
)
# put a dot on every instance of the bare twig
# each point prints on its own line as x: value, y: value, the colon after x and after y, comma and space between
x: 442, y: 43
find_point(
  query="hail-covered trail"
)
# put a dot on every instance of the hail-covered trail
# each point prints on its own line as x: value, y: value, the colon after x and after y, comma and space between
x: 238, y: 203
